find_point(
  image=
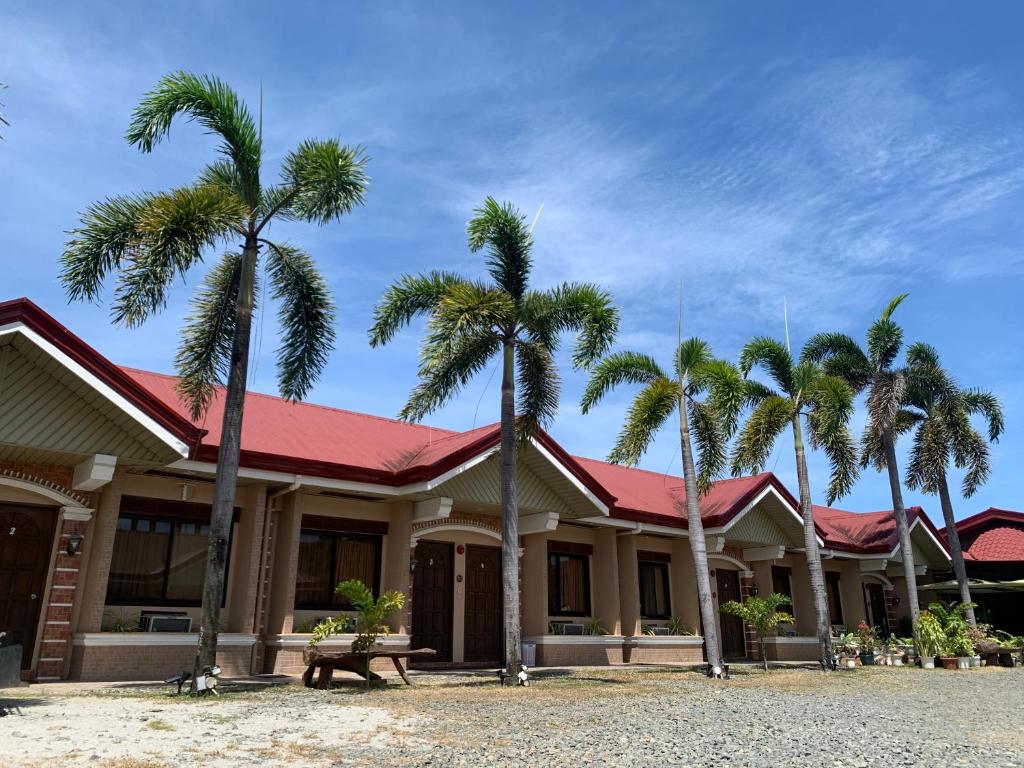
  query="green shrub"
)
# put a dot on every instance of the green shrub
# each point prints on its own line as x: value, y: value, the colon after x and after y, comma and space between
x: 371, y: 617
x: 763, y: 614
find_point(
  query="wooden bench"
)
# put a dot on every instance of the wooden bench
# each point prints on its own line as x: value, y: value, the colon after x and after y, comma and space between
x: 359, y: 663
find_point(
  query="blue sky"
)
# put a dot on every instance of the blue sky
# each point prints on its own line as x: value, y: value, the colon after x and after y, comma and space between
x: 829, y: 154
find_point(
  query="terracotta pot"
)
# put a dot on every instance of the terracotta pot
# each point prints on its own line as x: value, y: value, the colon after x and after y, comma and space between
x: 948, y: 662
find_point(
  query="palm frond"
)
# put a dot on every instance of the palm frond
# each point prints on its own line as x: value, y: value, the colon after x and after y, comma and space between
x: 872, y: 448
x: 757, y: 438
x: 929, y: 457
x: 886, y: 397
x: 538, y: 386
x: 651, y: 407
x: 215, y: 106
x: 582, y: 308
x: 884, y: 341
x: 502, y: 230
x: 469, y: 308
x: 690, y: 354
x: 109, y: 234
x: 832, y: 406
x: 306, y: 316
x: 325, y: 179
x: 727, y: 390
x: 615, y: 369
x: 755, y: 392
x: 174, y: 229
x: 771, y: 355
x: 407, y: 298
x: 443, y: 377
x: 224, y: 175
x: 204, y: 352
x: 985, y: 404
x: 972, y: 454
x: 711, y: 442
x: 839, y: 356
x: 922, y: 354
x: 892, y: 305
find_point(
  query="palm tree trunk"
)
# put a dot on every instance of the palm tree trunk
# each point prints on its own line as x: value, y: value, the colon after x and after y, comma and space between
x: 509, y: 512
x: 899, y: 512
x: 811, y: 551
x: 698, y: 546
x: 957, y: 552
x: 227, y: 465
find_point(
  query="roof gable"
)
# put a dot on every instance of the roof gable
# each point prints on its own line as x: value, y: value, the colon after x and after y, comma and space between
x: 20, y: 317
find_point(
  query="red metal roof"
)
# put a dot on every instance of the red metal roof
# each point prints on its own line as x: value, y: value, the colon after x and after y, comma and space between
x: 865, y: 532
x: 304, y: 438
x: 995, y: 535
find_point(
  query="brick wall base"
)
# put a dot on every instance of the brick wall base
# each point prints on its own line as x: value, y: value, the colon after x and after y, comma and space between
x: 791, y: 651
x: 139, y: 662
x: 662, y: 653
x: 583, y: 655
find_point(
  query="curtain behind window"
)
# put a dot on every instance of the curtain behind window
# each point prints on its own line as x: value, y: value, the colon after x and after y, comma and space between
x: 138, y: 560
x: 189, y: 551
x: 313, y: 580
x: 355, y: 559
x: 653, y: 598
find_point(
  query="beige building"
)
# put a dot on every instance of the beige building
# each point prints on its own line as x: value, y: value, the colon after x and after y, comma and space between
x: 105, y: 491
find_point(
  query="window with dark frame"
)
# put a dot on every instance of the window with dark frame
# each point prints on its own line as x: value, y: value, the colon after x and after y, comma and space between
x: 568, y: 583
x: 834, y: 597
x: 159, y: 553
x: 782, y: 583
x: 327, y: 558
x: 655, y: 601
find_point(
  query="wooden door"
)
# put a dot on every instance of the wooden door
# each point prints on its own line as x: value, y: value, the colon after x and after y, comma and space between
x: 875, y: 598
x: 25, y: 540
x: 432, y: 599
x: 483, y: 624
x: 728, y: 583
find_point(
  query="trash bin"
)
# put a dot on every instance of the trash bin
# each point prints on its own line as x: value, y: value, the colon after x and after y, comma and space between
x: 529, y: 654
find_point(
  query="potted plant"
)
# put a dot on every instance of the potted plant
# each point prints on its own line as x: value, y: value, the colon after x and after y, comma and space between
x: 763, y: 614
x: 930, y: 638
x: 866, y: 639
x: 370, y: 617
x: 958, y: 648
x: 845, y: 649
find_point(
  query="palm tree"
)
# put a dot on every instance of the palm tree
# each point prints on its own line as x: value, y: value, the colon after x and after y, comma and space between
x: 825, y: 404
x: 871, y: 369
x: 711, y: 420
x: 151, y: 239
x: 472, y: 321
x: 940, y: 413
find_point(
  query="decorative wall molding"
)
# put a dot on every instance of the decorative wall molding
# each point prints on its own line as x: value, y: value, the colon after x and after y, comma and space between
x: 36, y: 484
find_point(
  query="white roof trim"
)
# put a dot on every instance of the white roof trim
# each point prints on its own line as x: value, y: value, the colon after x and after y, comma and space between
x: 162, y: 433
x: 570, y: 477
x: 380, y: 489
x: 770, y: 490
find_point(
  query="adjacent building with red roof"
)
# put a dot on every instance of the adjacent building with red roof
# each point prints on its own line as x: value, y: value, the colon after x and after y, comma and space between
x: 106, y: 483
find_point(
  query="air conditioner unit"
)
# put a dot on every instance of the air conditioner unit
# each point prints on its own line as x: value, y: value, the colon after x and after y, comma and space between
x: 572, y: 629
x: 162, y: 622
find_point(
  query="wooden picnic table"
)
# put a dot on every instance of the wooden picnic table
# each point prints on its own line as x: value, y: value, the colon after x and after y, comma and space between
x: 359, y: 663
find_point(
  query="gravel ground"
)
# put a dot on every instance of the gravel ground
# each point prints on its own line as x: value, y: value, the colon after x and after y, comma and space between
x: 864, y: 717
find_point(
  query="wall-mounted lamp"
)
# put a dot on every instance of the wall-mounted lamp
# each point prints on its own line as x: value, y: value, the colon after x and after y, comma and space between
x: 74, y: 544
x: 896, y: 601
x: 754, y: 590
x: 412, y: 565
